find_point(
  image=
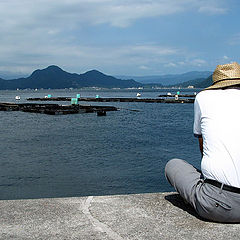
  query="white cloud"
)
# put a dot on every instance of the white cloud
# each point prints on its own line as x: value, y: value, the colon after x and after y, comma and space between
x: 226, y: 58
x: 35, y: 33
x: 84, y: 56
x: 181, y: 63
x: 143, y: 67
x: 74, y: 13
x: 193, y: 62
x: 170, y: 64
x: 198, y: 62
x: 212, y: 10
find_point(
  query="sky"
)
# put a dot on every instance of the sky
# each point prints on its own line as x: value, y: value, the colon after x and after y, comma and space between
x: 118, y: 37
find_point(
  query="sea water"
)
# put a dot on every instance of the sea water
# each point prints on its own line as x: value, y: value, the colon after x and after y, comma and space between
x: 81, y: 154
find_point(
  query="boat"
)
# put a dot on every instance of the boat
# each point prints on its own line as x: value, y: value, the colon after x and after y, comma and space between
x: 17, y: 97
x: 138, y: 94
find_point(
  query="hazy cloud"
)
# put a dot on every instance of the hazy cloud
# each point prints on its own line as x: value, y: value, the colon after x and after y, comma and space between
x: 226, y: 58
x: 235, y: 40
x: 73, y: 13
x: 212, y: 7
x: 41, y: 32
x: 198, y: 62
x: 187, y: 62
x: 143, y: 67
x: 170, y: 64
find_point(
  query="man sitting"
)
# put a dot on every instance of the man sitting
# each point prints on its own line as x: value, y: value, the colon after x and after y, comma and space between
x: 214, y: 192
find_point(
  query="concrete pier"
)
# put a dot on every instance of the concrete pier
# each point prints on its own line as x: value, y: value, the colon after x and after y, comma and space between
x: 139, y: 217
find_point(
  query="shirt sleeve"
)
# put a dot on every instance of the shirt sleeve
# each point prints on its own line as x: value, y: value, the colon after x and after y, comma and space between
x: 197, y: 119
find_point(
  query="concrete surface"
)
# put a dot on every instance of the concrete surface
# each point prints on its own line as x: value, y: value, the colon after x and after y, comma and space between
x: 140, y: 216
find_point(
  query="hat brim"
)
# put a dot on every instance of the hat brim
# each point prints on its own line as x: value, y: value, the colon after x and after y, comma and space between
x: 224, y: 83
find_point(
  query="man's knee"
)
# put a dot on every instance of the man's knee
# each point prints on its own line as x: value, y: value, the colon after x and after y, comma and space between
x: 171, y: 168
x: 172, y: 164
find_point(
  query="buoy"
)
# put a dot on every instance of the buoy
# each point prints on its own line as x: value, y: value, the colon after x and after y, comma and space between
x: 17, y: 98
x: 74, y: 101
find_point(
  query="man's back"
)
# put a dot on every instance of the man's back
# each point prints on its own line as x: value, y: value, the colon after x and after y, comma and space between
x: 217, y: 119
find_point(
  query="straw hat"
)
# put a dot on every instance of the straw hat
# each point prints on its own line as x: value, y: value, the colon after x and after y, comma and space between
x: 225, y: 75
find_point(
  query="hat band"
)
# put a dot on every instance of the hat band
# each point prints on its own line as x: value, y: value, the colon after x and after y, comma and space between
x: 226, y: 79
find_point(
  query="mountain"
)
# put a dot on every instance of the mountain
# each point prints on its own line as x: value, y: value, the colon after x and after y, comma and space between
x: 56, y: 78
x: 7, y: 75
x: 205, y: 83
x: 96, y: 78
x: 197, y: 83
x: 170, y: 79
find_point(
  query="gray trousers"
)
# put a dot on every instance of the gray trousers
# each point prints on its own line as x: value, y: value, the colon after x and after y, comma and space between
x: 210, y: 202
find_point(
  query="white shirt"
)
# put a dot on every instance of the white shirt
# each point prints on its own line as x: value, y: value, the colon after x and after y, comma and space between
x: 217, y: 119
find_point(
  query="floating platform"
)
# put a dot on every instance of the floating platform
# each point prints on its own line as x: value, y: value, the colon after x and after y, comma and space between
x: 100, y: 99
x: 55, y: 109
x: 179, y: 95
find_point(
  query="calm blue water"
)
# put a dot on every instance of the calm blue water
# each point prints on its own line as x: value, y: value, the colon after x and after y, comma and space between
x: 82, y: 154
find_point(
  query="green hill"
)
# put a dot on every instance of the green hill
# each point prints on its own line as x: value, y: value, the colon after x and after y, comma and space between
x: 56, y: 78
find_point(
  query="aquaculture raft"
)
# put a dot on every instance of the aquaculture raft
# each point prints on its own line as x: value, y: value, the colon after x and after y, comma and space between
x: 55, y: 109
x: 100, y: 99
x: 179, y: 95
